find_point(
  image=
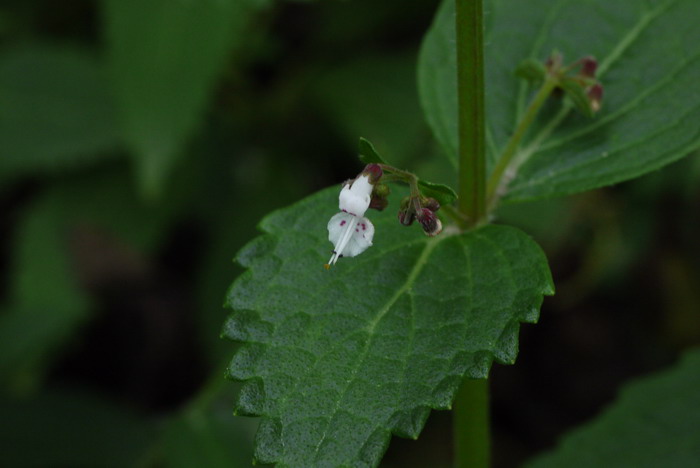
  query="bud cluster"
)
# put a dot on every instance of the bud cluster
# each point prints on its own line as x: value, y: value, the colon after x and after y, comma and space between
x: 421, y: 209
x: 584, y: 89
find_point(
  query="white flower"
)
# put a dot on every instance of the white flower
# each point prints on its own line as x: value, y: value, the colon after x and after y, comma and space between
x: 349, y: 231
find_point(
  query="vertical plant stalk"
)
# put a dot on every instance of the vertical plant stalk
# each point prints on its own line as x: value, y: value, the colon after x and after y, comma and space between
x: 471, y: 428
x: 471, y: 414
x: 469, y: 28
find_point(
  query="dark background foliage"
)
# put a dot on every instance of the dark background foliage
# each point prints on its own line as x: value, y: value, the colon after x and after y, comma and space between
x: 110, y: 298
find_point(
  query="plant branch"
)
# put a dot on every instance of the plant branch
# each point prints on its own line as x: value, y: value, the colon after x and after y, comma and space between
x: 514, y: 143
x: 470, y: 103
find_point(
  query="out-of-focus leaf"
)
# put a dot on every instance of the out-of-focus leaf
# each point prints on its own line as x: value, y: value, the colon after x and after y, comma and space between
x: 73, y: 429
x: 649, y: 61
x: 531, y: 69
x: 46, y: 304
x: 654, y: 423
x: 368, y: 154
x: 206, y: 435
x: 55, y: 110
x: 47, y: 300
x: 376, y: 96
x: 165, y: 57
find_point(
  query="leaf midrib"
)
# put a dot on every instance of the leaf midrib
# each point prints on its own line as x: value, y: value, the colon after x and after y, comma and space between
x: 422, y: 260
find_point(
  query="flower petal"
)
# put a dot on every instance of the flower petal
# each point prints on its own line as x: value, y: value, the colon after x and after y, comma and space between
x: 350, y: 235
x: 355, y: 198
x: 361, y: 239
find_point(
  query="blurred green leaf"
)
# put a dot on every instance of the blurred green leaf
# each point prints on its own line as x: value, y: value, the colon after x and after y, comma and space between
x: 368, y: 154
x: 165, y: 59
x: 54, y: 260
x: 531, y: 69
x: 654, y: 423
x: 46, y: 303
x: 648, y: 54
x: 338, y: 360
x: 376, y: 96
x: 577, y: 94
x: 55, y: 110
x: 71, y: 429
x: 207, y: 435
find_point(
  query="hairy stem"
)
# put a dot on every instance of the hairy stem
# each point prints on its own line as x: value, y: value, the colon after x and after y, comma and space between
x: 470, y: 103
x: 471, y: 425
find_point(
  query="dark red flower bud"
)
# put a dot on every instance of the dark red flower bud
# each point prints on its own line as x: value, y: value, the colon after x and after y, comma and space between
x: 595, y: 96
x: 378, y: 203
x: 374, y: 171
x: 430, y: 222
x: 406, y: 217
x: 431, y: 204
x: 589, y: 65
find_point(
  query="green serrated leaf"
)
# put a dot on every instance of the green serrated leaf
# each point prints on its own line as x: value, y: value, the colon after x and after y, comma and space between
x: 336, y: 361
x: 655, y: 422
x: 649, y: 61
x: 165, y: 57
x: 368, y: 154
x: 55, y: 110
x: 531, y: 69
x: 442, y: 193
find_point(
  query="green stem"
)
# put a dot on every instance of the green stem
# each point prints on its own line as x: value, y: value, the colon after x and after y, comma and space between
x: 511, y: 148
x: 470, y: 104
x: 471, y: 425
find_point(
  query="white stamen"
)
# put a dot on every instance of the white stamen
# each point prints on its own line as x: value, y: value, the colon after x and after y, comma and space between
x: 343, y: 240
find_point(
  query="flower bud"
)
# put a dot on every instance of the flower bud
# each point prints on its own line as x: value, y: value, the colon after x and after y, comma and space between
x: 378, y: 203
x: 589, y: 65
x: 374, y: 171
x: 381, y: 190
x: 554, y: 63
x: 406, y: 212
x: 430, y: 222
x: 431, y: 204
x: 406, y: 218
x: 595, y: 96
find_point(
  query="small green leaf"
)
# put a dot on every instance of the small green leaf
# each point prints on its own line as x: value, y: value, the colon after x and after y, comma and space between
x: 336, y: 361
x: 55, y: 110
x: 577, y: 94
x: 654, y: 423
x: 368, y: 154
x: 649, y: 61
x: 442, y: 193
x: 165, y: 57
x: 531, y: 69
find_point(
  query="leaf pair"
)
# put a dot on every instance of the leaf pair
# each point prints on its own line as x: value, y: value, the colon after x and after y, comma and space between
x: 649, y: 64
